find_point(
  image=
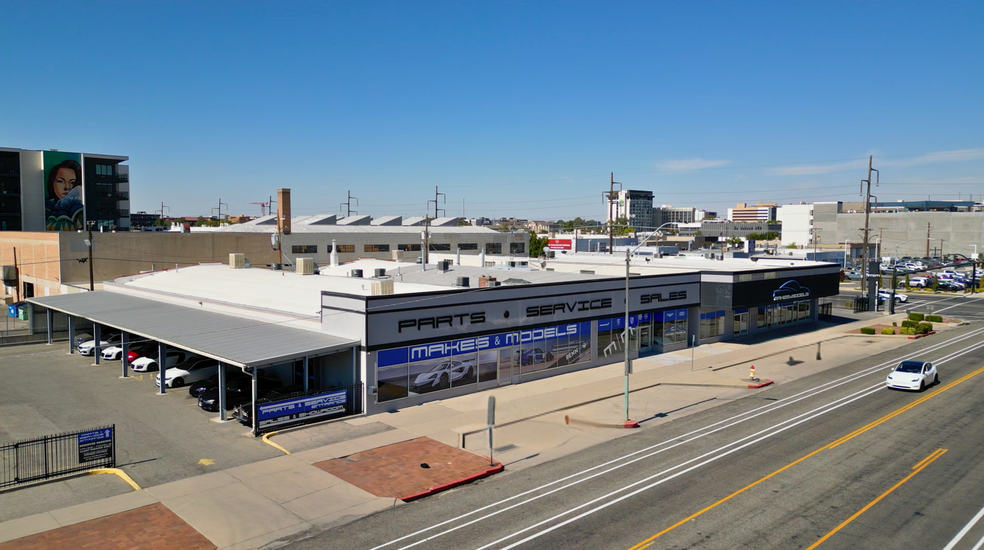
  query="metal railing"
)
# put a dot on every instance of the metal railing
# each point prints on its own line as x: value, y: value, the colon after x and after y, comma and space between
x: 57, y: 455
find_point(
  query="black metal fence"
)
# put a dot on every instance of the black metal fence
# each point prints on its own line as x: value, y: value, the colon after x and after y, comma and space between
x: 861, y: 304
x: 57, y: 455
x: 826, y: 311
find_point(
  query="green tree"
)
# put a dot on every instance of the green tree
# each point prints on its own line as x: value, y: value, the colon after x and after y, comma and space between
x: 622, y: 227
x: 791, y: 245
x: 463, y: 221
x: 734, y: 241
x: 537, y: 245
x: 936, y: 284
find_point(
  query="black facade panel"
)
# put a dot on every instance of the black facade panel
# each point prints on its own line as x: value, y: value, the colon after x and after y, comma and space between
x: 774, y: 291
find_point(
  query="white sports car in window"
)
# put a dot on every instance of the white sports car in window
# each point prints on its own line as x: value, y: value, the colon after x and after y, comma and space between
x: 912, y: 375
x: 442, y: 375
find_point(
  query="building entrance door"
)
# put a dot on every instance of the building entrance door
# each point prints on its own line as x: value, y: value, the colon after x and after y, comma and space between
x: 505, y: 367
x: 646, y: 338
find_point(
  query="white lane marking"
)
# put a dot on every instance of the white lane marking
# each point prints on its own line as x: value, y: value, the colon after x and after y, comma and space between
x: 718, y: 426
x: 477, y: 520
x: 651, y: 485
x: 963, y: 532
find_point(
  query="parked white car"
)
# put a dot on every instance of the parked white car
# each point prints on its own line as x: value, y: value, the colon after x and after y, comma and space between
x: 192, y: 370
x: 149, y: 364
x: 912, y: 375
x: 86, y: 348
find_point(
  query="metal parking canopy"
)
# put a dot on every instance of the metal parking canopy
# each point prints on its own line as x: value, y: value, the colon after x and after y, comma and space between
x: 232, y: 340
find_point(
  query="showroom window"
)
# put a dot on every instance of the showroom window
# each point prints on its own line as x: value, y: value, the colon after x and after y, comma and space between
x: 304, y: 249
x: 517, y: 248
x: 493, y: 248
x: 711, y: 324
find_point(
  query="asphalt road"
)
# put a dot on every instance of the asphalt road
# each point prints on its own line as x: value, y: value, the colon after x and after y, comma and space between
x: 833, y: 461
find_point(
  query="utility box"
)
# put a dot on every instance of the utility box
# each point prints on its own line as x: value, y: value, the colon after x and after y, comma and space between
x: 305, y: 266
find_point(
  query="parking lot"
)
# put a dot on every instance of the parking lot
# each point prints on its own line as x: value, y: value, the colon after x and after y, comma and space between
x: 160, y: 438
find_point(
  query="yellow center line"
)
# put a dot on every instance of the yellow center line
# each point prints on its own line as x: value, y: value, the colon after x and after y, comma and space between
x: 925, y: 462
x: 646, y: 543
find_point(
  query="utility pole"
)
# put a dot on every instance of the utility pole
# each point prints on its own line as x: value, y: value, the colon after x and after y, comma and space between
x: 348, y: 205
x: 218, y: 210
x: 927, y: 240
x: 436, y: 197
x: 88, y: 242
x: 610, y: 196
x: 866, y: 191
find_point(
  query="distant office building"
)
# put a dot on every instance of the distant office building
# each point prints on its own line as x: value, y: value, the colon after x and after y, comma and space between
x: 761, y: 212
x: 635, y: 206
x: 667, y: 213
x: 60, y: 191
x: 724, y: 229
x: 143, y: 219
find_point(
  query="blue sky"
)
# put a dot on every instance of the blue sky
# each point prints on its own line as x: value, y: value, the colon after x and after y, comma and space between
x: 510, y: 108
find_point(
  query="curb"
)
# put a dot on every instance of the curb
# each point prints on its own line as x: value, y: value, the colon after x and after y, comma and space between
x: 445, y: 486
x: 761, y: 384
x: 918, y: 336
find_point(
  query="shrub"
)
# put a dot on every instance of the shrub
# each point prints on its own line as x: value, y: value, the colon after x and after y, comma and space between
x: 907, y: 330
x: 909, y: 324
x: 916, y: 316
x: 934, y: 318
x: 895, y: 324
x: 924, y: 328
x: 867, y: 330
x: 888, y: 331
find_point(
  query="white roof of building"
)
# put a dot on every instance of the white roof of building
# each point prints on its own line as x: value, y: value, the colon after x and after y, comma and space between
x: 325, y: 224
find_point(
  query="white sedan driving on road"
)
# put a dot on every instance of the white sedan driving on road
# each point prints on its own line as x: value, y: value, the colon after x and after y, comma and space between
x: 912, y: 375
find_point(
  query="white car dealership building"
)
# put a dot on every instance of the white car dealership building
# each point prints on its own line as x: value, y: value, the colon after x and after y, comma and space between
x: 408, y: 335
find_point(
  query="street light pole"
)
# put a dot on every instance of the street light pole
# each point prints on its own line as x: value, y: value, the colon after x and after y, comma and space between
x: 628, y: 423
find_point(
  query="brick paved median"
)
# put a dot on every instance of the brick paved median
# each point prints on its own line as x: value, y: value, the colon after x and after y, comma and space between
x: 395, y: 470
x: 149, y: 527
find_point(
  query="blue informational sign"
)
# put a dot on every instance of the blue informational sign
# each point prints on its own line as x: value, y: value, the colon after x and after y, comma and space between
x: 302, y: 408
x: 95, y: 445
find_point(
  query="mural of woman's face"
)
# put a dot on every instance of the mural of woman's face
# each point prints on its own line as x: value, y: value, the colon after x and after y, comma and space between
x: 64, y: 182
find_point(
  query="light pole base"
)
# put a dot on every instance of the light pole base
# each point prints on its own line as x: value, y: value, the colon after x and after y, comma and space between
x: 630, y: 424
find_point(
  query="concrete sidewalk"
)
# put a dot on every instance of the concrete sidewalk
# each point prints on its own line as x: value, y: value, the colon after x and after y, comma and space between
x: 252, y: 505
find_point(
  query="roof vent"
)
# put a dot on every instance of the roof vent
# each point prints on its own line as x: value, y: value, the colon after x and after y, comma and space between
x: 380, y: 272
x: 382, y: 287
x: 462, y: 282
x: 305, y: 266
x: 357, y: 273
x: 237, y: 260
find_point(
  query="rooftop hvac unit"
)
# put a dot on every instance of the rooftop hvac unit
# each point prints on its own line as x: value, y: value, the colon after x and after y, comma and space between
x: 237, y: 260
x: 512, y: 264
x: 357, y: 273
x: 380, y: 272
x: 444, y: 265
x: 305, y: 266
x: 462, y: 282
x: 380, y: 287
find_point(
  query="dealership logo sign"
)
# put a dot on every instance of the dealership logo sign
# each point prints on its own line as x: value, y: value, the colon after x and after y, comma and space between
x: 790, y: 290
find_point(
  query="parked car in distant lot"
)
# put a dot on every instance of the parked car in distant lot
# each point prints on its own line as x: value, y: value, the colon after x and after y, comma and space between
x: 912, y: 375
x: 134, y: 351
x: 149, y: 364
x: 87, y: 347
x: 196, y: 389
x: 887, y: 295
x: 853, y: 275
x: 192, y: 370
x: 238, y: 391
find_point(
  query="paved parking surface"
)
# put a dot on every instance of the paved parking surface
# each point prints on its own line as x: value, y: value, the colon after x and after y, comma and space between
x: 159, y: 438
